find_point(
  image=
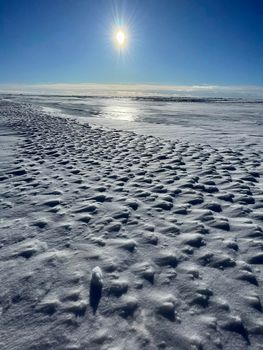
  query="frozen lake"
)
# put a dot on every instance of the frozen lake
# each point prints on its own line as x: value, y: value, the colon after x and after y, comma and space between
x: 199, y: 120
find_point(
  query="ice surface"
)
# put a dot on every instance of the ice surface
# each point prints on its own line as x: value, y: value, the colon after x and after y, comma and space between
x: 214, y: 121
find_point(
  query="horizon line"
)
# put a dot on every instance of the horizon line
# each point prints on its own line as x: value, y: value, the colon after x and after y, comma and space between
x: 135, y: 89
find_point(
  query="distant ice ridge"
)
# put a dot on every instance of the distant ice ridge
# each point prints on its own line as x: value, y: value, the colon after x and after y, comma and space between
x: 153, y: 98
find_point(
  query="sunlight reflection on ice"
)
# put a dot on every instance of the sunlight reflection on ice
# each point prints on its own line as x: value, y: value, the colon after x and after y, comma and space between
x: 124, y: 110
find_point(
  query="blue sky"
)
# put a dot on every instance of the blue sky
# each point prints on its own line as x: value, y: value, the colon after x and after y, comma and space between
x: 182, y: 42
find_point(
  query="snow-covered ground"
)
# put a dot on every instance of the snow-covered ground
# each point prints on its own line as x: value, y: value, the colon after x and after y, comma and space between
x: 111, y: 239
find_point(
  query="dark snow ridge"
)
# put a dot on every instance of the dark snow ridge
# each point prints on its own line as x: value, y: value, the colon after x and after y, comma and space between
x: 111, y: 240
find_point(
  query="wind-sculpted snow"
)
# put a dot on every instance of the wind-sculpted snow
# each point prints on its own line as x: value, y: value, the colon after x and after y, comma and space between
x: 113, y: 240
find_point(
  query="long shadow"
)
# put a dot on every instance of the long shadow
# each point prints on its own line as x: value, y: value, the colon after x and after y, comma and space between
x: 95, y: 293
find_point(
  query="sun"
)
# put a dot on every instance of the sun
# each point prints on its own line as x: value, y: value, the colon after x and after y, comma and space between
x: 120, y: 38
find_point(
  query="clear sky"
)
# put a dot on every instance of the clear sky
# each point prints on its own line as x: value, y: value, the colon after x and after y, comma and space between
x: 169, y: 41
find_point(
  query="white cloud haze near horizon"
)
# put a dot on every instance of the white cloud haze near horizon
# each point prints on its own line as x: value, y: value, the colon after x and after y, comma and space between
x: 94, y: 89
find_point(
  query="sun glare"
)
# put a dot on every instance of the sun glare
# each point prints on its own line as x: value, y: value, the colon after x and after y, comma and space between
x: 120, y: 38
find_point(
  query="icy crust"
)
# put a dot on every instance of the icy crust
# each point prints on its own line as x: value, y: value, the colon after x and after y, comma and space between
x: 111, y: 240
